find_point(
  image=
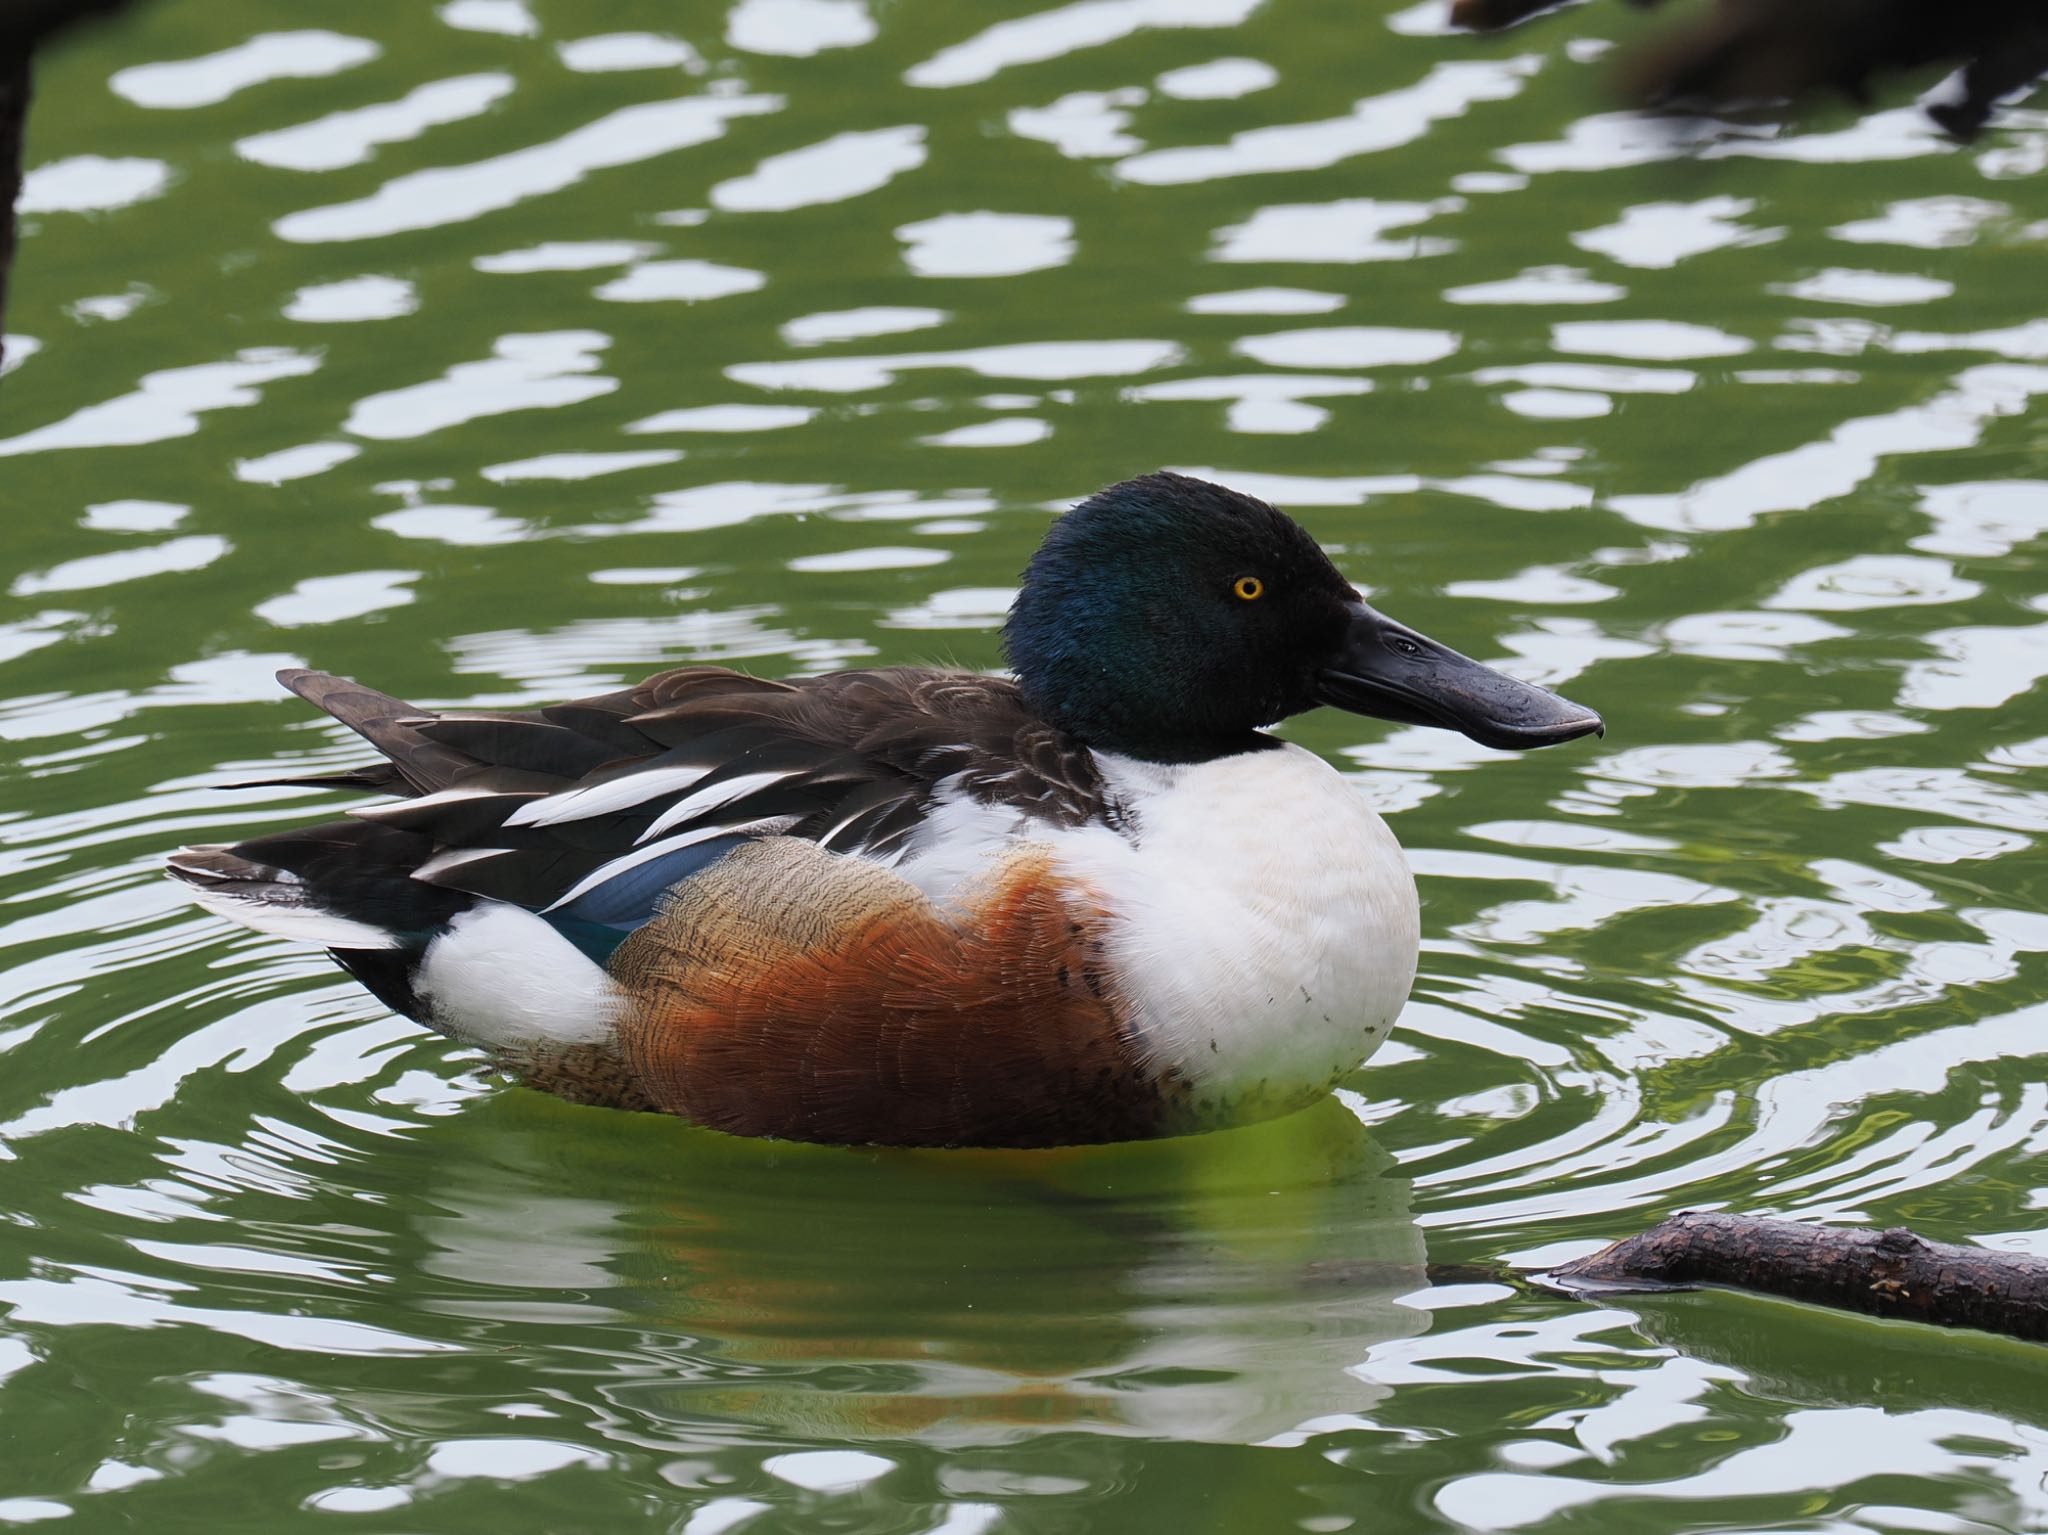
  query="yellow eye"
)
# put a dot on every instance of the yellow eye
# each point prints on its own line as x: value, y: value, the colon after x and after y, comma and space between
x: 1250, y: 588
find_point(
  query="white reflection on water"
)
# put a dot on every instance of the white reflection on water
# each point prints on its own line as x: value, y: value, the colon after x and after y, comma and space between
x: 132, y: 1301
x: 845, y: 166
x: 1896, y: 133
x: 1260, y: 402
x: 856, y: 325
x: 333, y: 599
x: 615, y: 52
x: 1036, y: 360
x: 1539, y: 285
x: 1849, y: 725
x: 1310, y: 490
x: 1924, y: 223
x: 1539, y: 584
x: 1607, y: 378
x: 1855, y: 1444
x: 1874, y: 581
x: 965, y: 607
x: 1218, y: 80
x: 1980, y: 667
x: 798, y: 28
x: 167, y: 404
x: 1654, y: 236
x: 880, y: 557
x: 204, y: 82
x: 92, y: 184
x: 1883, y: 290
x: 828, y: 1470
x: 299, y: 463
x: 353, y: 299
x: 576, y: 466
x: 92, y: 571
x: 1983, y: 518
x: 430, y: 199
x: 1614, y: 140
x: 1065, y: 30
x: 1647, y: 340
x: 725, y: 418
x: 731, y: 503
x: 353, y: 136
x: 1003, y: 432
x: 1265, y: 301
x: 1954, y: 844
x: 1375, y: 124
x: 526, y: 372
x: 685, y: 281
x: 1557, y: 404
x: 1352, y: 229
x: 566, y: 256
x: 2025, y: 342
x: 985, y: 244
x: 133, y: 516
x: 600, y: 653
x: 1350, y: 346
x: 507, y: 18
x: 1803, y: 476
x: 1084, y: 125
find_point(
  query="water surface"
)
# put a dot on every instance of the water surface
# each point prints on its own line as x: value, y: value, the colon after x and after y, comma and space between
x: 500, y: 352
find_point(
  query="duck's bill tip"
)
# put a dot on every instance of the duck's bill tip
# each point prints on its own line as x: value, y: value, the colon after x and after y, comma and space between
x: 1389, y: 671
x: 1571, y: 724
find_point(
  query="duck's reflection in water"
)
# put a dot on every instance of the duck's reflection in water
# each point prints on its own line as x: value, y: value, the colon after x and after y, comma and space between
x: 1215, y: 1288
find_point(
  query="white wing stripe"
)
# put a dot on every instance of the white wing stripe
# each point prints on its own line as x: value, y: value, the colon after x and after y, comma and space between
x: 638, y: 856
x: 604, y: 798
x: 710, y: 799
x: 439, y: 797
x: 453, y: 858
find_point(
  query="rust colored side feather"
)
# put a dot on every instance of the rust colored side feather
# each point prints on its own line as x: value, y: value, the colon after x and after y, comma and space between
x: 791, y: 992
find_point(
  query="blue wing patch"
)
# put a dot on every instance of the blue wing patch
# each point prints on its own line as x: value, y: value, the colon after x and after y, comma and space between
x: 604, y: 916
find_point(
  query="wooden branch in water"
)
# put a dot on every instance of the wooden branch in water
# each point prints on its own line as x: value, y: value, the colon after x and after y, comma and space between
x: 1744, y: 51
x: 1884, y: 1273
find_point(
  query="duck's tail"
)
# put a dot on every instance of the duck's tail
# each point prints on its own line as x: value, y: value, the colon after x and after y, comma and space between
x: 480, y: 967
x: 344, y: 885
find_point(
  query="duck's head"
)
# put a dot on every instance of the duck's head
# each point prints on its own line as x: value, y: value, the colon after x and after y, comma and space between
x: 1170, y: 619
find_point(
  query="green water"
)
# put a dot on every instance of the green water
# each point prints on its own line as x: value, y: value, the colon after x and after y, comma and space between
x: 1744, y: 450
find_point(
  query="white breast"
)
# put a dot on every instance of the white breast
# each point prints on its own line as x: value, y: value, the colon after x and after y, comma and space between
x: 1265, y: 922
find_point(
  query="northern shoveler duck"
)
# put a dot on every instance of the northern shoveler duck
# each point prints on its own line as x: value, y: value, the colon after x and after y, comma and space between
x: 911, y: 907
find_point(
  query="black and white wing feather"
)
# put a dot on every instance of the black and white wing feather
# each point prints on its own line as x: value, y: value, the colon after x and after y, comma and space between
x: 587, y: 811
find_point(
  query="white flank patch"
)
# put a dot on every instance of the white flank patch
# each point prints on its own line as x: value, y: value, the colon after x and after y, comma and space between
x: 602, y: 799
x: 302, y: 924
x: 501, y: 976
x: 1265, y: 921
